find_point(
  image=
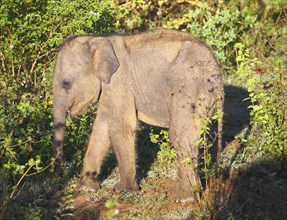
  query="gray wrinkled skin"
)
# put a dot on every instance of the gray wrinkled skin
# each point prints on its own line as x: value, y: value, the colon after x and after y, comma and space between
x: 162, y: 77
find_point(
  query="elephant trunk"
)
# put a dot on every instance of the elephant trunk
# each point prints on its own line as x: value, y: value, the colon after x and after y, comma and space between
x: 60, y: 111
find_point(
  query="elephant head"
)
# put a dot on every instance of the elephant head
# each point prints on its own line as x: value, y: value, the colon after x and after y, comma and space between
x: 83, y: 63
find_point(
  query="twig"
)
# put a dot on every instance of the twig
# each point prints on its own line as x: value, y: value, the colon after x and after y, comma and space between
x: 45, y: 168
x: 20, y: 180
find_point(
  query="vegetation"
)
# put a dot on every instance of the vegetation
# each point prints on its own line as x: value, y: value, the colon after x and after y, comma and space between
x: 249, y: 182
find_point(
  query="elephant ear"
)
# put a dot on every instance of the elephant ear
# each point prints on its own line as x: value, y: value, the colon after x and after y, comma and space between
x: 104, y: 59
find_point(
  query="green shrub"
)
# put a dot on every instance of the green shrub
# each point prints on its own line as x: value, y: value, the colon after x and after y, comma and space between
x: 268, y: 109
x: 219, y: 29
x: 166, y: 154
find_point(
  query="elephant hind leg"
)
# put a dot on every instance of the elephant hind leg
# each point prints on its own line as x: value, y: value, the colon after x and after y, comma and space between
x: 184, y: 134
x: 188, y: 181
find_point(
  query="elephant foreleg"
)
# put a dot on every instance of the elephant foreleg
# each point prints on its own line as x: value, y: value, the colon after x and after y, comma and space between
x: 98, y: 147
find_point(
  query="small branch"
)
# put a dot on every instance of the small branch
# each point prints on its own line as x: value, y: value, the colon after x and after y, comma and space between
x: 45, y: 168
x: 39, y: 56
x: 19, y: 181
x: 13, y: 68
x: 3, y: 62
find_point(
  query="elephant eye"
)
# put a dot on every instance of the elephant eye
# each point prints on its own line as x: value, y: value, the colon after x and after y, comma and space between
x: 66, y: 84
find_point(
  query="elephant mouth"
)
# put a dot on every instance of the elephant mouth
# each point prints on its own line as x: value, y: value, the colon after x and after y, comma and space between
x: 93, y: 104
x: 81, y: 108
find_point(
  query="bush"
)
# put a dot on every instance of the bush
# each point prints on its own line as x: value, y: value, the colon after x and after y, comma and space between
x: 268, y: 109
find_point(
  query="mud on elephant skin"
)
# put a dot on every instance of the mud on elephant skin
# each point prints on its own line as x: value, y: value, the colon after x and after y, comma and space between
x: 161, y: 77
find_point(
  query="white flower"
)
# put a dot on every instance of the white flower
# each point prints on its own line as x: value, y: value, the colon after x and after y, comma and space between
x: 94, y: 13
x: 117, y: 211
x: 11, y: 46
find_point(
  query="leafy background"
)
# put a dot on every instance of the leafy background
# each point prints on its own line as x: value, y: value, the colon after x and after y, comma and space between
x: 249, y: 40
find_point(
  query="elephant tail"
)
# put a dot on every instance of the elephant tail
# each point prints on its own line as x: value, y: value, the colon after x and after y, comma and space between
x: 220, y: 113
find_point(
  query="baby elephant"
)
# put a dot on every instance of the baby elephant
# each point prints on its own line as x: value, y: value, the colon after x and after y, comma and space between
x: 161, y: 77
